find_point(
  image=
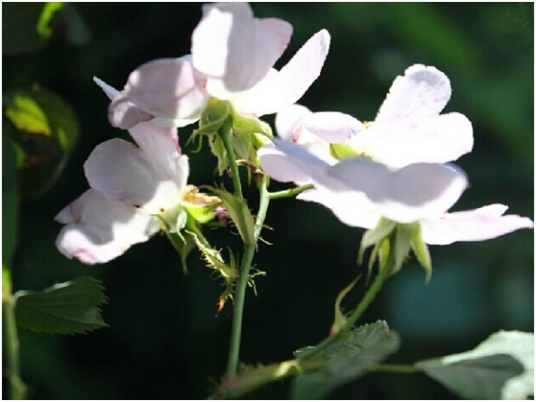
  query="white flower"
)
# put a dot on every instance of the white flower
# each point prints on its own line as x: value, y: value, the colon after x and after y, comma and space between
x: 232, y: 59
x: 408, y: 128
x: 135, y: 192
x: 360, y: 191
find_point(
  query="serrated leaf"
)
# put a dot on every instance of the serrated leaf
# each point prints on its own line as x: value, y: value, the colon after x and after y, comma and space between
x: 349, y: 358
x: 501, y: 367
x: 46, y: 130
x: 65, y: 308
x: 239, y: 213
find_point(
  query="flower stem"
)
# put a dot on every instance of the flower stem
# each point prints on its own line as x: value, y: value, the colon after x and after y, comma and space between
x: 226, y: 131
x: 372, y: 291
x: 290, y: 192
x: 241, y: 286
x: 11, y: 348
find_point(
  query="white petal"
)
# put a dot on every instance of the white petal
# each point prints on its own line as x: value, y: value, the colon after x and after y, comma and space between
x: 420, y: 94
x: 122, y: 113
x: 110, y: 92
x: 163, y: 88
x: 410, y: 194
x: 152, y: 176
x: 333, y: 127
x: 439, y: 139
x: 288, y: 85
x: 287, y: 120
x: 280, y: 167
x: 234, y: 49
x: 476, y: 225
x: 352, y: 208
x: 100, y: 230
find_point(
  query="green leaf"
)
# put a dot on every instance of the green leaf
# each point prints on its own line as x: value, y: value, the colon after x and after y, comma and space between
x: 76, y: 29
x: 9, y: 196
x: 65, y: 308
x: 46, y: 131
x: 501, y: 367
x: 26, y: 26
x: 349, y: 358
x: 239, y: 213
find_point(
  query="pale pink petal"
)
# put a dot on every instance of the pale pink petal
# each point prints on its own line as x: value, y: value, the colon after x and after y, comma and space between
x: 100, y: 230
x: 163, y: 88
x: 234, y: 49
x: 122, y: 113
x: 352, y: 208
x: 288, y: 85
x: 333, y: 127
x: 290, y: 162
x: 439, y: 139
x: 410, y: 194
x: 476, y: 225
x: 420, y: 94
x: 280, y: 167
x: 287, y: 120
x: 110, y: 92
x: 152, y: 176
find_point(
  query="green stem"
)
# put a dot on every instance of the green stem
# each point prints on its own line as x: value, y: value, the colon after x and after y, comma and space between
x: 372, y: 291
x: 191, y: 226
x: 241, y: 286
x: 11, y: 348
x: 395, y: 368
x: 226, y: 131
x: 290, y: 192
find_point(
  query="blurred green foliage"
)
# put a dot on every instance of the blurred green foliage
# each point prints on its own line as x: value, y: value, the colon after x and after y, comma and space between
x: 166, y: 340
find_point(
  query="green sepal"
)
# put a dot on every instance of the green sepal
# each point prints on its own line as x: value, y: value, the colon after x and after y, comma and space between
x: 383, y: 229
x: 420, y: 249
x: 214, y: 260
x: 200, y: 207
x: 213, y: 117
x: 403, y: 239
x: 239, y: 213
x: 246, y: 124
x: 343, y: 151
x: 183, y: 243
x: 340, y: 319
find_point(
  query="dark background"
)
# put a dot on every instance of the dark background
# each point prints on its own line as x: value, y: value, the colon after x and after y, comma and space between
x: 165, y: 339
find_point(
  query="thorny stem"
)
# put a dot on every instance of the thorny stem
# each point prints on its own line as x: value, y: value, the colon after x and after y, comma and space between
x: 249, y: 252
x: 225, y: 133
